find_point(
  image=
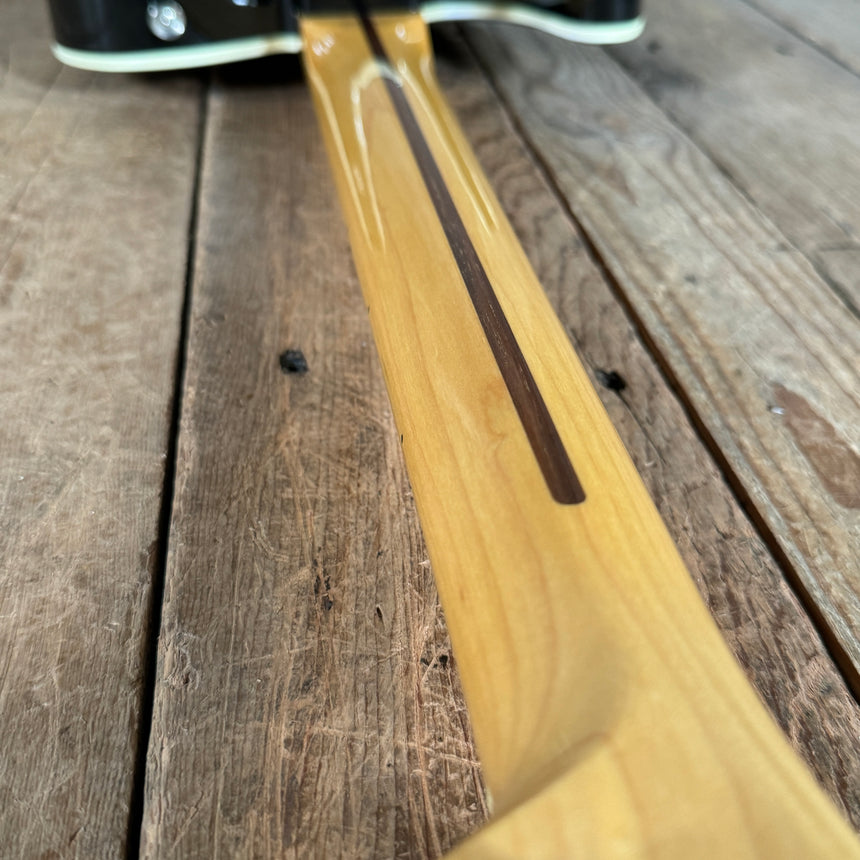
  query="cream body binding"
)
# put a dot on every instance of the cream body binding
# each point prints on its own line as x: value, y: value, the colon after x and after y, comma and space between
x: 234, y: 50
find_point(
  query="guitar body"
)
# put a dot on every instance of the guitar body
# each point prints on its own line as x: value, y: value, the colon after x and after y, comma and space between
x: 130, y: 36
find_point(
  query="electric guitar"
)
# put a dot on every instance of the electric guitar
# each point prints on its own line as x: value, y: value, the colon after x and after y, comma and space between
x: 610, y: 718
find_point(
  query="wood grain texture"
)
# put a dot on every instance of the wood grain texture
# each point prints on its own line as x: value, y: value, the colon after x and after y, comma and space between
x: 832, y: 25
x: 732, y: 310
x: 774, y: 113
x: 765, y: 627
x: 95, y: 192
x: 587, y: 658
x: 307, y: 703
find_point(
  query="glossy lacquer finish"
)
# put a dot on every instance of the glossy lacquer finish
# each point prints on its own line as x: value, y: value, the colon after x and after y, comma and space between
x: 610, y: 718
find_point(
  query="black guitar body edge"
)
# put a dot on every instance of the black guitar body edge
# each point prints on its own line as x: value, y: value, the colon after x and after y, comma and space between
x: 141, y: 36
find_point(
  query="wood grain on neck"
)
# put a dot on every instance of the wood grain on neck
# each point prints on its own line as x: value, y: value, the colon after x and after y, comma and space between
x: 540, y: 429
x: 610, y: 718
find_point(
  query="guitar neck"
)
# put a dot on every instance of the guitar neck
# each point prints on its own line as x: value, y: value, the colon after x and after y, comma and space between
x: 609, y: 716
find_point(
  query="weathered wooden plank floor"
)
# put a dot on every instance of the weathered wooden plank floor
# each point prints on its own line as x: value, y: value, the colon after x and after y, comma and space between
x: 95, y: 194
x: 688, y: 202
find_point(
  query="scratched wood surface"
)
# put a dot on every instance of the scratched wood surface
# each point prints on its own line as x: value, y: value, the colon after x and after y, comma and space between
x: 831, y: 25
x: 95, y: 191
x: 306, y: 698
x: 764, y: 351
x: 778, y: 115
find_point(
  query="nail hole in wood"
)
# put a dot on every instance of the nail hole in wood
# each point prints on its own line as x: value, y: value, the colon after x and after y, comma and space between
x: 293, y: 361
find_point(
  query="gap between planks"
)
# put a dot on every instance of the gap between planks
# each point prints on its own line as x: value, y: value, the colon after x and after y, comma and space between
x: 831, y: 27
x: 154, y: 611
x: 786, y: 138
x: 89, y: 310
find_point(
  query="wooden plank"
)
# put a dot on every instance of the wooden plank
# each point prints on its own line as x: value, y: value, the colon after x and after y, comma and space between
x: 307, y: 703
x: 763, y: 623
x: 831, y: 25
x: 737, y: 316
x: 776, y: 115
x: 604, y: 702
x: 96, y: 182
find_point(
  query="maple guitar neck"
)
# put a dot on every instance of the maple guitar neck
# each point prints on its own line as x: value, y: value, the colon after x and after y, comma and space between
x: 609, y: 716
